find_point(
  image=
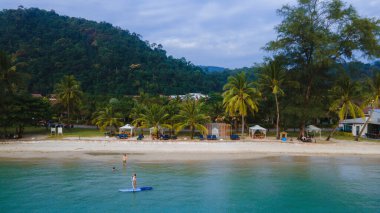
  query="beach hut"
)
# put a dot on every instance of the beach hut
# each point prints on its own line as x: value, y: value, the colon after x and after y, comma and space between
x: 315, y: 130
x: 220, y: 130
x: 257, y: 132
x: 53, y: 130
x: 127, y: 127
x: 160, y: 130
x: 60, y: 130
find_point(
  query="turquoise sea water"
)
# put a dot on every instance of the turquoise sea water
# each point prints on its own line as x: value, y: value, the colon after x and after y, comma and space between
x: 271, y: 184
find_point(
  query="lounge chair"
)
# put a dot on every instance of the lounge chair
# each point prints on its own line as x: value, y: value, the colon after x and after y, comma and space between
x: 234, y: 137
x: 213, y: 137
x: 209, y: 137
x: 164, y: 137
x: 201, y: 137
x: 122, y: 136
x: 140, y: 137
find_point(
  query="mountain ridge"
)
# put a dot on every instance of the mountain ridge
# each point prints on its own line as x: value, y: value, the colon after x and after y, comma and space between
x: 104, y: 58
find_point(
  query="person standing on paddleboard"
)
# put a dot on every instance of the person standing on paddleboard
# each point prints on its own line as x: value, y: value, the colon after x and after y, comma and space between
x: 134, y: 181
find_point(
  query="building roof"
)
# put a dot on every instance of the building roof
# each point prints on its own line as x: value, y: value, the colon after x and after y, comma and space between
x: 37, y: 95
x: 196, y: 96
x: 375, y: 119
x: 354, y: 121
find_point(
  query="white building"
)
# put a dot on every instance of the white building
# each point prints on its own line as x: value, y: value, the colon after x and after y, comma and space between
x: 195, y: 96
x: 355, y: 125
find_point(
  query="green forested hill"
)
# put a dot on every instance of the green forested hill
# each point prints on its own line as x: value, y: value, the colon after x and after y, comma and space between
x: 104, y: 58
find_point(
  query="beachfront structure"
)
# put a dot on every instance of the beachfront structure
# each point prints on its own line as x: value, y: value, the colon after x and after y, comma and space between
x: 161, y: 130
x: 127, y: 127
x: 257, y: 132
x: 195, y: 96
x: 314, y: 130
x: 372, y: 130
x: 37, y: 95
x: 220, y: 130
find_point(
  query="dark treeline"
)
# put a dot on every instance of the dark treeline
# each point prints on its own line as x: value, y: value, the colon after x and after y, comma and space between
x: 104, y: 58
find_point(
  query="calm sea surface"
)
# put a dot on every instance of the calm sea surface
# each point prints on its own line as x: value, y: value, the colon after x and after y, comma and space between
x: 271, y: 184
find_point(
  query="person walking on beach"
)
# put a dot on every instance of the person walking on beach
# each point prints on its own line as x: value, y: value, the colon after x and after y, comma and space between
x: 134, y: 182
x: 125, y: 158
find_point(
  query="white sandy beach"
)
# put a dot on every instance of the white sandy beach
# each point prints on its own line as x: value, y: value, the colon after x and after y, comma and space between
x: 75, y: 148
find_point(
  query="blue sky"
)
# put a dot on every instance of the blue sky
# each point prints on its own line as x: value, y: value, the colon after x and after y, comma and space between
x: 224, y: 33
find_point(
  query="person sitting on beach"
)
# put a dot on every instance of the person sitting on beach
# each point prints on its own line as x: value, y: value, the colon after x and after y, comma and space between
x: 114, y: 169
x: 125, y: 158
x: 134, y: 181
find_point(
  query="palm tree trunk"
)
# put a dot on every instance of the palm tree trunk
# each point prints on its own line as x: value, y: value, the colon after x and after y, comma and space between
x: 235, y: 125
x: 116, y: 128
x: 158, y: 133
x: 171, y: 132
x: 332, y: 132
x: 278, y: 117
x: 365, y: 125
x: 242, y: 125
x: 192, y: 132
x: 68, y: 113
x: 302, y: 129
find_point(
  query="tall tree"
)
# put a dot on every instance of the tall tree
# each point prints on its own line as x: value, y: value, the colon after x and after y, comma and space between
x: 69, y: 93
x: 11, y: 81
x: 272, y: 76
x: 315, y: 34
x: 172, y: 109
x: 345, y: 95
x: 214, y: 107
x: 240, y: 96
x: 191, y: 115
x: 107, y: 117
x: 372, y: 98
x: 153, y: 115
x: 17, y: 107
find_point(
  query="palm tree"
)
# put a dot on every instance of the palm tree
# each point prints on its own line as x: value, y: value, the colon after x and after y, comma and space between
x: 372, y: 99
x: 345, y: 93
x: 7, y: 69
x: 214, y: 107
x: 272, y: 76
x: 172, y: 109
x: 239, y: 96
x: 107, y: 117
x: 69, y: 93
x: 191, y: 115
x: 153, y: 115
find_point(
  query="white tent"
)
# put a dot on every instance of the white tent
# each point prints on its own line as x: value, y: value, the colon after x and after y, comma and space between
x: 314, y: 129
x: 127, y: 127
x: 255, y: 128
